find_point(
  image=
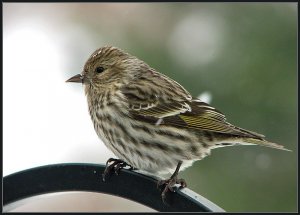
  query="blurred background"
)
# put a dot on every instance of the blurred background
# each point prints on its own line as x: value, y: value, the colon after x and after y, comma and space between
x: 240, y: 56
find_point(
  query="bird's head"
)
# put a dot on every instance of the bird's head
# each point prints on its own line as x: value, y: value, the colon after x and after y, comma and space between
x: 109, y: 67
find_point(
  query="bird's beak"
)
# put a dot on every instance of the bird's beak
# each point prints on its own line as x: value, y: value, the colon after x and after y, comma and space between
x: 77, y: 79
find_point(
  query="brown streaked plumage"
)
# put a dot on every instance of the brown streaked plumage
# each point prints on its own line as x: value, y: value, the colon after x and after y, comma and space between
x: 149, y: 120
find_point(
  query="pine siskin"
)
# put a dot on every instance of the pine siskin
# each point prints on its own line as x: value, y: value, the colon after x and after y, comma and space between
x: 150, y: 121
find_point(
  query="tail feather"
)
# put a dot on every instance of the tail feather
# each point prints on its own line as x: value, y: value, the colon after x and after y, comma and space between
x: 264, y: 143
x: 247, y: 141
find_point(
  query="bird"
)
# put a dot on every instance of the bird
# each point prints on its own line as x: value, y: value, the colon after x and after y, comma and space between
x: 149, y: 121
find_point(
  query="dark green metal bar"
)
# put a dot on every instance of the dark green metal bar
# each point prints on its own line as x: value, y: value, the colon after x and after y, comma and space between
x: 87, y: 177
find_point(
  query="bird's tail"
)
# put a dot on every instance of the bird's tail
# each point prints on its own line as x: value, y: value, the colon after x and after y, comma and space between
x: 262, y: 142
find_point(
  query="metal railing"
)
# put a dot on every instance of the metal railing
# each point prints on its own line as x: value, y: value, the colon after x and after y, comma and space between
x: 87, y: 177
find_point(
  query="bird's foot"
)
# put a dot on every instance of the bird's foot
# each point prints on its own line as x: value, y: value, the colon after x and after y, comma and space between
x: 170, y: 185
x: 116, y: 166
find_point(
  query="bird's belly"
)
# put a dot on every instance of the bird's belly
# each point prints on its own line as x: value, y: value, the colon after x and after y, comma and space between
x: 154, y: 149
x: 151, y: 161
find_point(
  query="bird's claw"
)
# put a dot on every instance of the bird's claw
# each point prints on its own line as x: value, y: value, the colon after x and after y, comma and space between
x: 116, y: 166
x: 170, y: 186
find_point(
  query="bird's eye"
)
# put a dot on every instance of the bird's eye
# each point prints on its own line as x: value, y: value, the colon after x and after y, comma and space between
x: 99, y: 69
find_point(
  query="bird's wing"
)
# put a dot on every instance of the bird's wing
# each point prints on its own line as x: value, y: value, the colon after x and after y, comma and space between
x: 178, y: 111
x: 205, y: 117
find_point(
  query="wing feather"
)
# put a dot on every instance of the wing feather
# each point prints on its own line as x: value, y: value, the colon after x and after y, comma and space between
x: 180, y: 110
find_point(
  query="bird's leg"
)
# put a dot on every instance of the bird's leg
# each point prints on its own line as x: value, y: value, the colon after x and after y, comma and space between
x: 169, y: 183
x: 117, y: 165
